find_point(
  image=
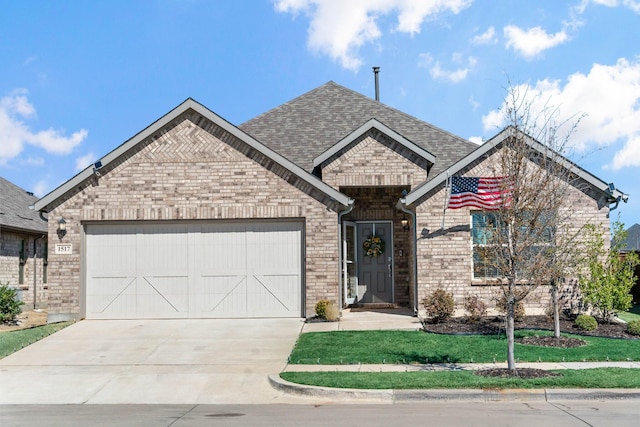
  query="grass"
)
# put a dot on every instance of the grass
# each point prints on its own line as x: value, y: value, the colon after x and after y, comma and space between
x: 375, y: 347
x: 13, y: 341
x: 632, y: 314
x: 584, y: 378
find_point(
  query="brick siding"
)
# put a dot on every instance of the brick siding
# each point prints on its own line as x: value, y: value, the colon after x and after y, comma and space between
x: 10, y: 244
x: 374, y: 160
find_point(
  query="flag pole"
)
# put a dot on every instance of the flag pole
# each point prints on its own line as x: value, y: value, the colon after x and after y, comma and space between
x: 447, y: 185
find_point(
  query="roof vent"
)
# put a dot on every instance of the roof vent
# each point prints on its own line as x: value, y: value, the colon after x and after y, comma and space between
x: 376, y: 70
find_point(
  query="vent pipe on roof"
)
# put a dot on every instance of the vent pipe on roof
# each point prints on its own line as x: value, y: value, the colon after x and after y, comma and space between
x: 376, y: 70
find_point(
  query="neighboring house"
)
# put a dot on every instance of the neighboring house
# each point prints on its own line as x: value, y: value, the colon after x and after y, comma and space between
x: 632, y: 244
x: 23, y: 245
x: 195, y: 217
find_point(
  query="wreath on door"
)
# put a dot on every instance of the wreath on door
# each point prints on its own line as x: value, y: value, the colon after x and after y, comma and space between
x: 373, y: 246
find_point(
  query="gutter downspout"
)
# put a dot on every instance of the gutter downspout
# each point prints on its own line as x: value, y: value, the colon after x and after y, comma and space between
x: 401, y: 205
x: 340, y: 260
x: 35, y: 270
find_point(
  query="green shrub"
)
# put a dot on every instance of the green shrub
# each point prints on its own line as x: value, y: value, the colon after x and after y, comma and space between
x: 606, y: 278
x: 10, y: 307
x: 519, y: 311
x: 474, y: 307
x: 321, y: 308
x: 439, y: 305
x: 633, y: 327
x: 585, y: 322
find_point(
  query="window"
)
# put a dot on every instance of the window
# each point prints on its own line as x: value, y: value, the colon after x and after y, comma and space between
x: 22, y: 259
x: 483, y: 227
x: 534, y: 238
x: 45, y: 261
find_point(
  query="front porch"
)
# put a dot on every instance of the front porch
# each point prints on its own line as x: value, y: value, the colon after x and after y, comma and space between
x: 382, y: 277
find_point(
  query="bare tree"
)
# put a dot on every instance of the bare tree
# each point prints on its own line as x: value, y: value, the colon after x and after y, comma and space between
x: 530, y: 238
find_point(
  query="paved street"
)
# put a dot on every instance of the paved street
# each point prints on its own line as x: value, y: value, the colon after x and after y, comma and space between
x: 565, y: 414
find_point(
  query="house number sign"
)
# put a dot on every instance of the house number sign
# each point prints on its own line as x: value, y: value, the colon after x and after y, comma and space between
x: 63, y: 249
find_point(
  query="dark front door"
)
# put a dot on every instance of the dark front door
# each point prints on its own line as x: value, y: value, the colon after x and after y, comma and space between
x: 375, y: 262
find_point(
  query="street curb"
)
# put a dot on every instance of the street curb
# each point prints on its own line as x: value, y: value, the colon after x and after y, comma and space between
x: 478, y: 395
x: 327, y: 392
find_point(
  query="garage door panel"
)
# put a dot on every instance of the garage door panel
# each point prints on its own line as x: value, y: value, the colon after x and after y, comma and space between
x: 111, y: 246
x: 162, y: 250
x: 221, y: 296
x: 274, y: 248
x: 111, y: 296
x: 209, y: 270
x: 273, y: 294
x: 159, y: 296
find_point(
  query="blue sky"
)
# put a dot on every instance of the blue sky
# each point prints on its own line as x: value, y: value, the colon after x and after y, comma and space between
x: 78, y: 78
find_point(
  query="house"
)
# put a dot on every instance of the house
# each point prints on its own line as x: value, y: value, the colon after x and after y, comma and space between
x: 23, y: 245
x: 632, y: 244
x: 195, y: 217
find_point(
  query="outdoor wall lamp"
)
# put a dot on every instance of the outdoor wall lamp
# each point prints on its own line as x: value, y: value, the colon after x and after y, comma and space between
x: 405, y: 223
x: 62, y: 228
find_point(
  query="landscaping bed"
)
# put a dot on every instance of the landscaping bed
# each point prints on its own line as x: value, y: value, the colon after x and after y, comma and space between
x: 495, y: 324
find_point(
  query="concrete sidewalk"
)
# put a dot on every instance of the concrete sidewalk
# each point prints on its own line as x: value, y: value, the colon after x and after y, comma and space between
x: 435, y: 367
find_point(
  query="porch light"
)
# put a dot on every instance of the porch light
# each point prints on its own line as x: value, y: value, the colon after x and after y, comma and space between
x: 62, y: 228
x: 405, y: 223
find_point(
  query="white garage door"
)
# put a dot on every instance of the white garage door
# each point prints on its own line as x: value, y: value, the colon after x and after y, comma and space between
x: 194, y: 270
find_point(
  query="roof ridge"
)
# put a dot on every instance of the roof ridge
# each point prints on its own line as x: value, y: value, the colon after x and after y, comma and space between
x: 434, y: 127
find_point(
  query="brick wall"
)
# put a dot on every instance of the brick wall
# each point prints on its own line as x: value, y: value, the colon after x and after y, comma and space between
x: 194, y: 172
x: 10, y: 245
x: 375, y: 160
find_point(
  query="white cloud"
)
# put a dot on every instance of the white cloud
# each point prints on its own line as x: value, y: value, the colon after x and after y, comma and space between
x: 339, y: 28
x: 84, y: 161
x: 474, y: 103
x: 629, y: 155
x: 608, y: 96
x: 14, y: 133
x: 41, y: 188
x: 453, y: 76
x: 631, y: 4
x: 530, y: 43
x: 34, y: 161
x: 488, y: 37
x: 476, y: 140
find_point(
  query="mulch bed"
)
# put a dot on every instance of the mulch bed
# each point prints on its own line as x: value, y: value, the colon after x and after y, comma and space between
x: 524, y: 373
x: 496, y: 325
x: 562, y: 342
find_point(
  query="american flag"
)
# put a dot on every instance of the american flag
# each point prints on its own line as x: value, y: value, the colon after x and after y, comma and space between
x: 483, y: 193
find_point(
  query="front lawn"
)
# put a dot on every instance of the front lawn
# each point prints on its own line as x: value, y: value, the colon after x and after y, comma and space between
x: 375, y: 347
x: 13, y: 341
x: 584, y: 378
x: 632, y: 314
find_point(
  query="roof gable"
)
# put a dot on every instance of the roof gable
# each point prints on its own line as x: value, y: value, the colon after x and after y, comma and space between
x: 372, y: 124
x: 189, y: 104
x: 632, y: 242
x: 309, y: 125
x: 14, y: 209
x: 438, y: 180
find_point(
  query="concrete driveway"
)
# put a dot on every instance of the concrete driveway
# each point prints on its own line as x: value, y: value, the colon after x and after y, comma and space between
x: 153, y: 361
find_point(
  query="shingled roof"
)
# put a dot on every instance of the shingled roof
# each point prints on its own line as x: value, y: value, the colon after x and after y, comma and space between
x: 632, y: 242
x: 308, y: 125
x: 14, y: 209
